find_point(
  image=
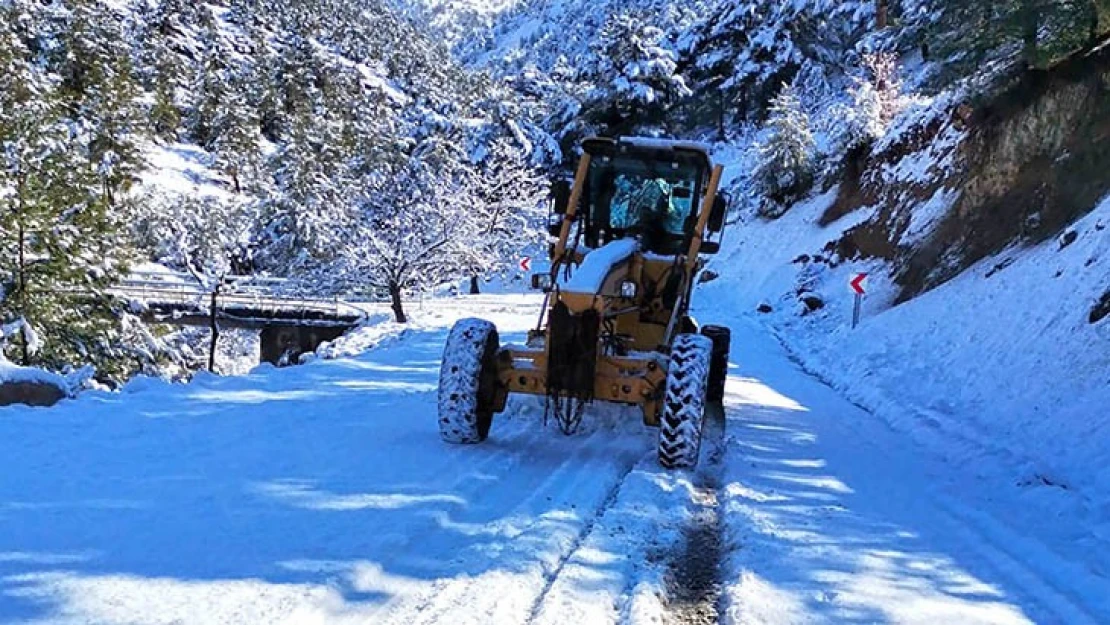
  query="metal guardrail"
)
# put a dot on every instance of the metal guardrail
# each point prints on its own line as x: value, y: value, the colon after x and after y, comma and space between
x: 242, y: 292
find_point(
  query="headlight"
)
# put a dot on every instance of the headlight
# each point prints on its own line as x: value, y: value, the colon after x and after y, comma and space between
x: 628, y: 290
x: 541, y: 281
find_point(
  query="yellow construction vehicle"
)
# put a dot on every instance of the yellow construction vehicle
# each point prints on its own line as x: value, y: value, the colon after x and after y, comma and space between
x: 631, y: 233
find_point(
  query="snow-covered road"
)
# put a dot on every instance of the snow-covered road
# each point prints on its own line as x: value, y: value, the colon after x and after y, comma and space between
x: 322, y: 494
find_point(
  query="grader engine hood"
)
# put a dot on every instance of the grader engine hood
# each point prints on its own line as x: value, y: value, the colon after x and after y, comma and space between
x: 601, y: 273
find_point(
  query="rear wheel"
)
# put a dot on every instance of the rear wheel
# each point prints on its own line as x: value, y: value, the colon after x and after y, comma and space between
x: 718, y: 362
x: 683, y: 414
x: 468, y: 382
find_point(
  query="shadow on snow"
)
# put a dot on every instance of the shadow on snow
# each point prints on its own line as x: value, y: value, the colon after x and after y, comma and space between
x: 326, y: 483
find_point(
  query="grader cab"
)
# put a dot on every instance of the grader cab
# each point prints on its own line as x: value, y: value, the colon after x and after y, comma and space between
x: 631, y: 233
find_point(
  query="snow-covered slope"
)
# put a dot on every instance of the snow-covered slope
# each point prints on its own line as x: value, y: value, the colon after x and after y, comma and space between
x: 1001, y: 377
x: 1003, y: 358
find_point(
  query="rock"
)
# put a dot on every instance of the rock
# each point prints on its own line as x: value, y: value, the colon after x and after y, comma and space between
x: 30, y: 393
x: 1101, y: 309
x: 812, y: 301
x: 804, y: 258
x: 708, y: 276
x: 765, y: 308
x: 1068, y: 238
x: 999, y: 267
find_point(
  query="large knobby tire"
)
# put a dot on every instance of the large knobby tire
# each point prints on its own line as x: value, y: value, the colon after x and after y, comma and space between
x: 468, y: 382
x: 718, y: 362
x: 683, y: 414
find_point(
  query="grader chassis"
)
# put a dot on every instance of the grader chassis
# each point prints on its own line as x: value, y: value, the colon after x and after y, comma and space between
x: 631, y: 233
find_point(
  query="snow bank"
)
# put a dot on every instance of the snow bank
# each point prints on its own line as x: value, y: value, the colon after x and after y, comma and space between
x: 36, y: 387
x: 11, y: 373
x: 374, y: 329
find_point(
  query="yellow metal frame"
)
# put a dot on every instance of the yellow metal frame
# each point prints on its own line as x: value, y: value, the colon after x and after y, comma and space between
x: 638, y: 377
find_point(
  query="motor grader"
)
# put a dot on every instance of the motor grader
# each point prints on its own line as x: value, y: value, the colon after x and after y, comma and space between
x: 631, y: 233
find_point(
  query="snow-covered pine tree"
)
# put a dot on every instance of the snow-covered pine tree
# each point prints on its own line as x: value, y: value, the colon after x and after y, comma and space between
x: 312, y: 195
x: 635, y: 72
x: 876, y: 99
x: 101, y: 95
x: 59, y: 238
x: 237, y: 138
x: 161, y: 69
x: 208, y: 87
x: 785, y: 160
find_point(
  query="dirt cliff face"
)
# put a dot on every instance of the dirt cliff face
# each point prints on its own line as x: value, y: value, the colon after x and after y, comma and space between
x: 1033, y: 157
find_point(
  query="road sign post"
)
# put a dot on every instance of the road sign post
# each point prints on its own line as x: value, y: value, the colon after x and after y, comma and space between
x: 858, y: 285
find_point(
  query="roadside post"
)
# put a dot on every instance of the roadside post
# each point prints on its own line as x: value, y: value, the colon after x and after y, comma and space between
x: 858, y: 285
x: 525, y: 266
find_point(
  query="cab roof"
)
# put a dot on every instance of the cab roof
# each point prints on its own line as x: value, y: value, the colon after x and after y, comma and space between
x: 650, y: 148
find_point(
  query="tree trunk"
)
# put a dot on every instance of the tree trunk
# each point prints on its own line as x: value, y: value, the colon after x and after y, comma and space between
x: 395, y: 298
x: 1030, y: 19
x: 215, y: 328
x: 21, y: 279
x: 1092, y: 24
x: 474, y: 288
x: 882, y: 11
x: 721, y: 136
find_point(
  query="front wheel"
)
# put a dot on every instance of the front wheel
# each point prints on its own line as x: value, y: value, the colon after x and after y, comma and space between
x: 468, y: 382
x: 683, y: 414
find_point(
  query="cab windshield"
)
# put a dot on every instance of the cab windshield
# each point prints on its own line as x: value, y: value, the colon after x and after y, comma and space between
x: 637, y: 197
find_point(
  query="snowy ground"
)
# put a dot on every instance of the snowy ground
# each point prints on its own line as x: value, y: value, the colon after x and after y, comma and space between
x: 321, y: 494
x: 832, y: 517
x: 998, y: 374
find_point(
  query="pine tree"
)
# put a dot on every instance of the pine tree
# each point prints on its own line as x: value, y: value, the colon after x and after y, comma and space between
x: 636, y: 73
x: 786, y: 158
x: 161, y: 68
x: 312, y: 196
x: 100, y: 93
x: 1038, y: 31
x: 237, y: 138
x: 208, y: 89
x: 58, y: 247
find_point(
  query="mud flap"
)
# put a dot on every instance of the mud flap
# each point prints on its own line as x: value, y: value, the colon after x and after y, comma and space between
x: 572, y: 352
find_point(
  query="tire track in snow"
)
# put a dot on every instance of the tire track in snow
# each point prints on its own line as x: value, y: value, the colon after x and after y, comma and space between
x: 694, y: 577
x: 587, y: 528
x: 999, y: 546
x: 542, y: 545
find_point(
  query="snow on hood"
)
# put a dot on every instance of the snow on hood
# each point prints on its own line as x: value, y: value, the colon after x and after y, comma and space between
x: 589, y: 277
